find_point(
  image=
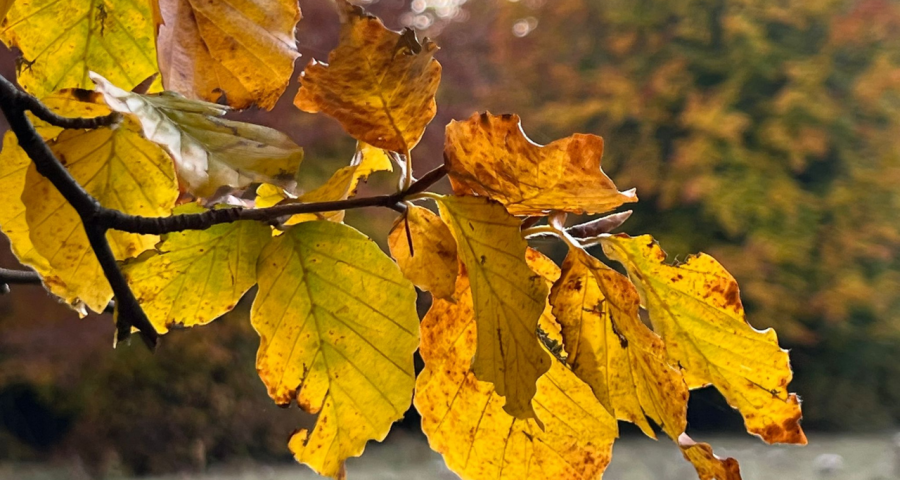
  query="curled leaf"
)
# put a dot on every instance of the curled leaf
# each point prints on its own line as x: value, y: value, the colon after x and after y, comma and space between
x: 430, y: 261
x: 209, y: 152
x: 708, y: 465
x: 379, y: 84
x: 491, y: 156
x: 241, y: 49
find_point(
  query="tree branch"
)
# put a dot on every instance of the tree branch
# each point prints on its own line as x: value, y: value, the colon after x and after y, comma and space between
x: 28, y: 277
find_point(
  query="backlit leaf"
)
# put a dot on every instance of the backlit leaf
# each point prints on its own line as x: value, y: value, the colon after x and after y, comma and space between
x: 508, y: 298
x: 430, y: 262
x: 465, y: 423
x: 491, y: 156
x: 378, y: 83
x: 612, y: 351
x: 708, y: 465
x: 62, y: 40
x: 209, y: 151
x: 121, y: 170
x: 196, y: 276
x: 242, y: 49
x: 338, y: 328
x: 696, y: 308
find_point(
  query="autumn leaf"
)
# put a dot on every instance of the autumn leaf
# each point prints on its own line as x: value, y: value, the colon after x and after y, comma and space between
x: 196, y: 276
x: 696, y: 308
x: 243, y: 50
x: 465, y: 423
x: 379, y: 84
x: 430, y: 261
x: 708, y: 465
x: 610, y: 349
x: 209, y: 151
x: 121, y: 170
x: 338, y: 327
x: 5, y: 5
x: 508, y: 299
x: 491, y: 156
x: 61, y: 41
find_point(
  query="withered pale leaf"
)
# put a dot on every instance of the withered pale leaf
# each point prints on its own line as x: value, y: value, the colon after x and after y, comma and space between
x: 209, y: 152
x: 490, y: 155
x: 338, y: 327
x: 195, y: 276
x: 610, y: 349
x: 508, y: 299
x: 242, y: 49
x: 431, y: 261
x: 378, y: 83
x: 696, y: 308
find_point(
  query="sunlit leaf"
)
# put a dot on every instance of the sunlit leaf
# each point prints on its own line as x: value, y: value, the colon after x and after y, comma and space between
x: 708, y: 465
x: 696, y: 308
x: 508, y: 298
x: 338, y: 329
x: 196, y: 276
x: 612, y: 351
x: 378, y: 83
x: 62, y: 40
x: 209, y: 151
x: 464, y: 420
x: 430, y: 262
x: 121, y: 170
x: 242, y: 49
x: 491, y: 156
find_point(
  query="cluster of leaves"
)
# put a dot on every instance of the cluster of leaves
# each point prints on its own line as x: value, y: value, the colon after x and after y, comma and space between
x: 528, y: 366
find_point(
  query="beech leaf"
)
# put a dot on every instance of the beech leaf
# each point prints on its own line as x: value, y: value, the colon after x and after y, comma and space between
x: 378, y: 83
x: 338, y: 327
x: 430, y: 262
x: 209, y: 152
x: 243, y: 50
x: 490, y: 155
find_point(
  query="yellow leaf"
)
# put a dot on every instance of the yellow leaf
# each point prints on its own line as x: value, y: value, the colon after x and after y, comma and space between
x: 465, y: 423
x: 14, y: 165
x: 379, y: 84
x: 491, y: 156
x: 338, y: 328
x: 508, y: 296
x: 70, y: 102
x: 5, y: 5
x: 61, y: 41
x: 121, y: 170
x: 612, y: 351
x: 196, y: 276
x: 696, y: 308
x: 708, y: 465
x: 242, y: 49
x: 209, y: 151
x: 430, y: 262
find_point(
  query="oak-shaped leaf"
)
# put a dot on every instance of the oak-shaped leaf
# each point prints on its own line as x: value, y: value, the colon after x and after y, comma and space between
x: 465, y: 422
x: 378, y: 83
x: 338, y: 327
x: 696, y: 308
x: 196, y: 276
x: 425, y: 250
x: 209, y: 151
x: 610, y: 349
x: 490, y: 155
x: 61, y: 41
x: 508, y: 299
x: 243, y: 50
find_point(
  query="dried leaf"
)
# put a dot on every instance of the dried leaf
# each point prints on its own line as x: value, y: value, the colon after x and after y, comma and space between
x: 243, y: 50
x: 708, y: 465
x: 378, y: 83
x: 491, y: 156
x: 209, y: 151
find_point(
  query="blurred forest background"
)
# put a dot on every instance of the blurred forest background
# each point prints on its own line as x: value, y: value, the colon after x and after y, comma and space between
x: 766, y: 133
